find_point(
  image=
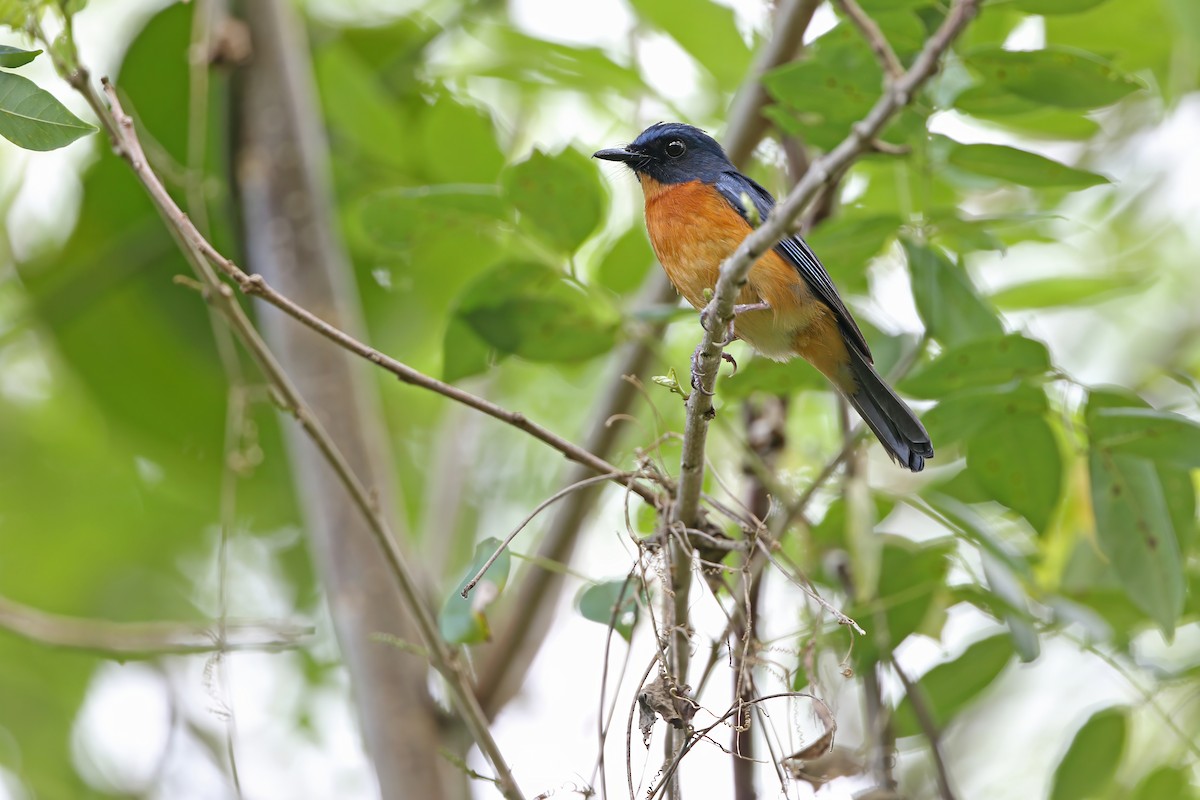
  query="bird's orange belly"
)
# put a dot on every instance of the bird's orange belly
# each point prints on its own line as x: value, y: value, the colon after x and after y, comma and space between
x: 693, y: 230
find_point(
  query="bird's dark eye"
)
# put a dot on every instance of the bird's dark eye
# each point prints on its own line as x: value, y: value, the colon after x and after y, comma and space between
x: 676, y: 148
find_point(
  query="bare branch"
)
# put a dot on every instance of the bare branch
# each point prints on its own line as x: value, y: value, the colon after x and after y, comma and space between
x: 892, y: 68
x: 561, y: 493
x: 146, y: 639
x: 929, y: 727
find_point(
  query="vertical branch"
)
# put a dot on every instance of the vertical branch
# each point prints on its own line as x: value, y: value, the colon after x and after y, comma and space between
x: 508, y: 659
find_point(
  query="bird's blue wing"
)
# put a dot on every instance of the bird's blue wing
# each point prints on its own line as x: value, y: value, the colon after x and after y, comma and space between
x: 736, y: 188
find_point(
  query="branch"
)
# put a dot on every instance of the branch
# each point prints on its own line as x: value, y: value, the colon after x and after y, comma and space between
x: 512, y: 652
x: 735, y: 269
x: 929, y: 728
x: 119, y: 127
x: 746, y: 124
x: 892, y: 68
x: 255, y: 286
x: 146, y: 639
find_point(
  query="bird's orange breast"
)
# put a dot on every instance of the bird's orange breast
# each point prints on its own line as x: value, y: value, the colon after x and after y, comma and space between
x: 693, y: 229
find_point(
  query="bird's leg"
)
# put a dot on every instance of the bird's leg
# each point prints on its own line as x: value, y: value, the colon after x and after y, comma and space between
x: 740, y: 308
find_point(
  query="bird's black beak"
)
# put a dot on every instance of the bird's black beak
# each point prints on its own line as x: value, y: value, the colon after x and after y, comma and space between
x: 617, y: 154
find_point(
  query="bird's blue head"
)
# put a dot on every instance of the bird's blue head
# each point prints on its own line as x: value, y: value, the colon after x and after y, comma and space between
x: 671, y: 152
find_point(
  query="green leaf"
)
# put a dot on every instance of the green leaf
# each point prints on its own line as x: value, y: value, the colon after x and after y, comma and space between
x: 1005, y: 586
x: 949, y: 688
x: 533, y: 311
x: 1135, y: 530
x: 458, y: 143
x: 1055, y: 6
x: 611, y: 602
x: 1017, y: 462
x: 911, y: 596
x: 532, y: 64
x: 359, y: 110
x: 1065, y: 291
x: 14, y: 13
x: 1020, y: 166
x: 1054, y: 76
x: 832, y: 88
x: 625, y: 267
x: 1137, y: 36
x: 399, y: 219
x: 560, y: 197
x: 962, y: 414
x: 979, y: 363
x: 463, y: 620
x: 1165, y: 783
x: 1091, y: 761
x: 463, y: 353
x: 772, y: 377
x: 946, y: 299
x: 706, y: 30
x: 11, y: 57
x: 1160, y: 436
x: 846, y: 243
x: 32, y: 118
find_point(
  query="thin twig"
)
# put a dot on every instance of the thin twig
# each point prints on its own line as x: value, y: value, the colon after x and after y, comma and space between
x: 702, y: 734
x: 561, y: 493
x: 145, y: 639
x: 929, y: 727
x: 892, y: 68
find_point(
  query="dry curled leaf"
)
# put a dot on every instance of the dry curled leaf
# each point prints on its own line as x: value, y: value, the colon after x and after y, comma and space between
x: 658, y: 698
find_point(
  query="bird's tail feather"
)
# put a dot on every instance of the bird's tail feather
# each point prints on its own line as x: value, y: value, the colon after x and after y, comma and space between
x: 898, y: 429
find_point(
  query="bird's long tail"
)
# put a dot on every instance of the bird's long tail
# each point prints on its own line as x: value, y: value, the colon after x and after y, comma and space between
x: 898, y: 429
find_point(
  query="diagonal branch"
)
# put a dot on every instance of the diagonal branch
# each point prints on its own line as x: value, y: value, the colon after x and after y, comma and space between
x: 134, y: 639
x: 735, y: 269
x: 892, y: 68
x: 119, y: 127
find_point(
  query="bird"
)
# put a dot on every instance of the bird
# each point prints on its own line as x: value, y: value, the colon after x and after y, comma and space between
x: 698, y: 209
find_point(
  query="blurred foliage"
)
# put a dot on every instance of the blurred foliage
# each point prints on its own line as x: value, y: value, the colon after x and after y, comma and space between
x: 1059, y: 511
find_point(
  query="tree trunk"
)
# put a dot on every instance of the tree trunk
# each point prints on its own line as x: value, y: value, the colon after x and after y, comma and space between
x: 289, y: 237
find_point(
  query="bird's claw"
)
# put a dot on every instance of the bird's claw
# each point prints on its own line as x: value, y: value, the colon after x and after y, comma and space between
x: 696, y: 384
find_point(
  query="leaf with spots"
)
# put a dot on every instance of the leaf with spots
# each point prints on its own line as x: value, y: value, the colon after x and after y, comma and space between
x: 962, y: 414
x: 1017, y: 462
x: 982, y: 362
x: 1161, y: 436
x: 1136, y: 532
x: 1053, y: 76
x: 534, y: 311
x: 558, y: 197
